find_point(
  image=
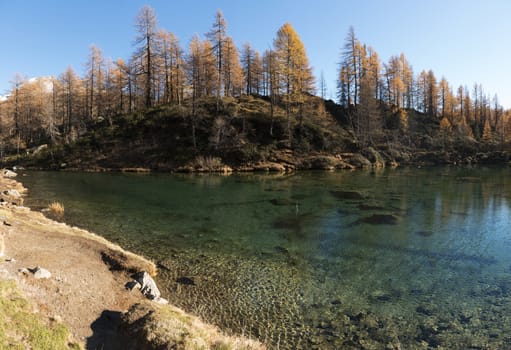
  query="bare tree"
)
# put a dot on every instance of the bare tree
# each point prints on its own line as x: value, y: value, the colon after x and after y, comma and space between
x: 145, y: 25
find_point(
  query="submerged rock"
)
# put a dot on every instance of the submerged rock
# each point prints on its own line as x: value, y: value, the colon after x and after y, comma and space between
x: 348, y: 194
x: 281, y: 250
x: 379, y: 219
x: 424, y: 233
x: 282, y: 201
x: 370, y: 206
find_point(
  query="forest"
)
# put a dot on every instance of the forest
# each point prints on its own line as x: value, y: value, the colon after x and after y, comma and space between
x: 238, y: 105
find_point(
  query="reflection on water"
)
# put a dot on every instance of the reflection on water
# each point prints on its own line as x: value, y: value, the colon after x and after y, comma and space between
x: 409, y: 258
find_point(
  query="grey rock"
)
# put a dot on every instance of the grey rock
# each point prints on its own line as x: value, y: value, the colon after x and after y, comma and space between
x: 12, y: 193
x: 8, y: 173
x: 148, y: 285
x: 161, y: 300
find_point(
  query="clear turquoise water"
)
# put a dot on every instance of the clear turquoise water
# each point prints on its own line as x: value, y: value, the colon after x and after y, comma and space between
x: 422, y: 259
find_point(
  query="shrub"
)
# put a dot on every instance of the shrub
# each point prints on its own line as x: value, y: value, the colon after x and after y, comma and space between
x: 56, y: 209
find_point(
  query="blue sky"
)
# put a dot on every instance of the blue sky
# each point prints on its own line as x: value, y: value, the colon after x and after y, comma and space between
x: 466, y: 41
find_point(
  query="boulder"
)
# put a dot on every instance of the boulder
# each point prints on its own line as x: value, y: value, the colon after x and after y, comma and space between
x: 11, y: 196
x: 8, y: 173
x: 40, y: 273
x: 12, y: 193
x: 147, y: 286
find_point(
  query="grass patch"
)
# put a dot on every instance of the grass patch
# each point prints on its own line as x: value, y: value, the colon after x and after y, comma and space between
x: 21, y: 328
x: 56, y: 209
x: 152, y: 326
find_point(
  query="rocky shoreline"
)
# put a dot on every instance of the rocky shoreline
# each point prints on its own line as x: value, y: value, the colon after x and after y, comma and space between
x: 79, y: 279
x: 286, y: 160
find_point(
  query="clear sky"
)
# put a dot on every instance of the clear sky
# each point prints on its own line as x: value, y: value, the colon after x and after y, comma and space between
x: 467, y: 41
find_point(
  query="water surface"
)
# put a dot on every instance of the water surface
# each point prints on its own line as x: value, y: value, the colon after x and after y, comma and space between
x: 417, y: 258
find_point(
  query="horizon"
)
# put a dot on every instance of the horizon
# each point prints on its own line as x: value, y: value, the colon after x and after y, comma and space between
x: 473, y: 52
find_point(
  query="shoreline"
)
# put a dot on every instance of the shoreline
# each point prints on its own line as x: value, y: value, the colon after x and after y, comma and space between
x: 86, y: 291
x: 286, y: 161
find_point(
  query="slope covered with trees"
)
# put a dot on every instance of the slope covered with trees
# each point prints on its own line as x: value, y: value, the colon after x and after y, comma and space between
x: 211, y: 103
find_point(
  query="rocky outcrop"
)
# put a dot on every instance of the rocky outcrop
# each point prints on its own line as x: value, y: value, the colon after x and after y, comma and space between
x: 147, y: 286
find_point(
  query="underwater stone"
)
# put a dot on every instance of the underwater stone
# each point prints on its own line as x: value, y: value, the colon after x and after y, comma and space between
x: 424, y: 233
x: 348, y: 195
x: 281, y: 250
x: 379, y: 219
x: 189, y: 281
x: 370, y: 206
x: 282, y: 201
x: 424, y: 310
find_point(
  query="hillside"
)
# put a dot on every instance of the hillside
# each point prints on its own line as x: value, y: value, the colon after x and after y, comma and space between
x: 242, y: 135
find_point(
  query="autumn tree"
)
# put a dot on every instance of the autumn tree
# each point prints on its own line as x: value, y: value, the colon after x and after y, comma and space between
x: 17, y: 83
x: 271, y: 81
x: 146, y: 27
x: 295, y: 74
x: 232, y: 72
x: 252, y: 65
x: 218, y: 36
x: 172, y: 62
x: 94, y: 81
x: 70, y: 95
x: 351, y: 67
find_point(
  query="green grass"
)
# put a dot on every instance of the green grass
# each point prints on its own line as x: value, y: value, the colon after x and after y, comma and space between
x: 21, y: 328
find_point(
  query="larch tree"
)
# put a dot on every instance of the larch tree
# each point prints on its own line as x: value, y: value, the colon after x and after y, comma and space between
x: 17, y: 83
x: 94, y: 81
x: 218, y: 36
x: 272, y: 82
x: 444, y: 96
x: 351, y: 67
x: 146, y: 27
x: 120, y: 71
x: 247, y: 61
x: 70, y: 83
x: 431, y: 94
x: 294, y: 70
x: 322, y: 86
x: 232, y: 72
x: 171, y: 57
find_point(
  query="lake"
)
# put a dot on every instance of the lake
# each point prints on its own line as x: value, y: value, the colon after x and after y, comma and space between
x: 410, y: 258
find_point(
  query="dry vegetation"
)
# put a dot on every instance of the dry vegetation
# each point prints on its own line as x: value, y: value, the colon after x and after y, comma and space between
x: 56, y: 209
x: 167, y: 327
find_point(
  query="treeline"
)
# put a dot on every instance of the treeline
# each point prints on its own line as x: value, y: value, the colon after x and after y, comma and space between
x: 375, y: 97
x: 365, y: 83
x: 159, y: 72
